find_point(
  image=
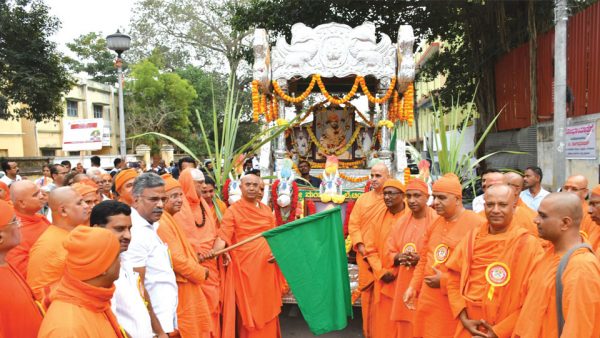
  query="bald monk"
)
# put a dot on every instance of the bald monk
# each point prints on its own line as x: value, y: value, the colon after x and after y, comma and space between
x: 489, y: 178
x: 4, y: 192
x: 253, y: 269
x: 124, y: 185
x: 81, y: 303
x: 208, y: 193
x: 19, y: 314
x: 485, y: 310
x: 193, y: 317
x: 594, y: 213
x: 198, y: 224
x: 433, y: 316
x: 578, y: 184
x: 384, y: 273
x: 523, y: 215
x: 47, y: 255
x: 404, y: 242
x: 367, y: 207
x: 558, y: 222
x: 27, y: 201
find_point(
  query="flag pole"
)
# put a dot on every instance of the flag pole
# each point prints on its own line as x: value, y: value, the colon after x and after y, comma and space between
x: 238, y: 244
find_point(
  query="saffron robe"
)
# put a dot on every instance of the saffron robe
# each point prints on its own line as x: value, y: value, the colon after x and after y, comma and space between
x: 589, y: 229
x: 47, y: 261
x: 193, y: 317
x: 467, y: 285
x: 256, y: 281
x: 32, y: 227
x: 408, y: 229
x: 80, y: 310
x: 580, y: 300
x: 202, y: 240
x: 367, y: 207
x: 433, y: 318
x: 380, y: 306
x: 19, y: 314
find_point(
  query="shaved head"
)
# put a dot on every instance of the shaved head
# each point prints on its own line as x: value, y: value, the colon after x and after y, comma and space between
x: 60, y: 196
x: 379, y: 174
x: 559, y: 216
x: 499, y: 207
x: 68, y: 207
x: 493, y: 178
x: 515, y: 180
x: 250, y: 186
x: 577, y: 184
x: 26, y: 197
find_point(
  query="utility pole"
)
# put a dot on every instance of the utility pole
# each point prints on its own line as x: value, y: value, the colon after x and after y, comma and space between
x: 560, y: 94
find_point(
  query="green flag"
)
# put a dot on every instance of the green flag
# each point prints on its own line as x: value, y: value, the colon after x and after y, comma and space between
x: 311, y: 254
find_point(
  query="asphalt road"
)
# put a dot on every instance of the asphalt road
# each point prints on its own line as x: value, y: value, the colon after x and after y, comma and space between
x: 294, y: 326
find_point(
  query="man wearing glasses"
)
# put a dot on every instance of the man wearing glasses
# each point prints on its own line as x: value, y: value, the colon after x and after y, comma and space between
x: 19, y: 315
x: 578, y: 184
x: 149, y: 255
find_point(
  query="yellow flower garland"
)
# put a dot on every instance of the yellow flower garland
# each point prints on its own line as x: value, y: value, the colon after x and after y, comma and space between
x: 331, y: 98
x: 255, y: 101
x: 298, y: 99
x: 341, y: 165
x: 340, y: 151
x: 373, y: 99
x: 386, y: 123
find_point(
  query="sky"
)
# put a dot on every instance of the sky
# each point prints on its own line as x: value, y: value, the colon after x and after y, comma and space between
x: 79, y: 17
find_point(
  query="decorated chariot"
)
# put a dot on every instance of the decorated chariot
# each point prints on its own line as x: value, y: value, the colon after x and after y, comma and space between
x: 341, y: 93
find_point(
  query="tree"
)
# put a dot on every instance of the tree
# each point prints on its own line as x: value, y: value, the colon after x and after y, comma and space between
x: 198, y: 26
x: 32, y: 76
x: 157, y: 101
x: 93, y: 57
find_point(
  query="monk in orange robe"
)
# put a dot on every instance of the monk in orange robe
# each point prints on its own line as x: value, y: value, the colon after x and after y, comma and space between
x: 433, y: 316
x: 578, y: 184
x: 375, y: 238
x: 367, y: 207
x: 89, y: 193
x: 81, y: 302
x: 4, y: 192
x: 558, y: 222
x: 253, y: 269
x: 594, y: 212
x: 19, y: 314
x: 200, y: 228
x: 208, y: 193
x: 404, y: 242
x: 500, y: 252
x: 28, y: 200
x: 516, y: 181
x: 124, y: 185
x: 193, y: 317
x: 523, y: 214
x: 47, y: 255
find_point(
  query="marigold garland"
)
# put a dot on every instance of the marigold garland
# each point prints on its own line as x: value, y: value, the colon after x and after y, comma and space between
x: 297, y: 99
x: 342, y: 165
x: 341, y: 150
x: 406, y: 175
x: 333, y: 100
x: 373, y: 99
x: 255, y: 101
x: 408, y: 104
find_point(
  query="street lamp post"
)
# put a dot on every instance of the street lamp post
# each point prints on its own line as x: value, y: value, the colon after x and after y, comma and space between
x: 119, y: 43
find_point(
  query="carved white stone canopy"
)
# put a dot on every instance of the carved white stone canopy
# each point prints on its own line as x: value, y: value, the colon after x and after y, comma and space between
x: 334, y: 50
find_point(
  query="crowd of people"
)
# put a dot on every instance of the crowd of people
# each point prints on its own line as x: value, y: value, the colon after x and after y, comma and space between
x: 145, y: 253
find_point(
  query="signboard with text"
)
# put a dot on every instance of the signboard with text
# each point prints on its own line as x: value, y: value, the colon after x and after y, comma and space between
x: 581, y: 141
x: 83, y: 134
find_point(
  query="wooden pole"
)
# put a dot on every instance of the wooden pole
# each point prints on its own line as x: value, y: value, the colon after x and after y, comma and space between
x: 247, y: 240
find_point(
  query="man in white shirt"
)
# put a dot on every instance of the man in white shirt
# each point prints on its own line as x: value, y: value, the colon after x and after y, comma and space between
x: 128, y: 302
x: 534, y: 194
x: 488, y: 178
x: 148, y: 255
x: 11, y: 172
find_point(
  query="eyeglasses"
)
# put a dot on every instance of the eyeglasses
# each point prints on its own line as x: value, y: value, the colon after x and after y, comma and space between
x: 390, y: 193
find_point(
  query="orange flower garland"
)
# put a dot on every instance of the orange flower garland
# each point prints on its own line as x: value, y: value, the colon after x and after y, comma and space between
x: 406, y: 175
x: 333, y: 100
x: 274, y: 108
x: 298, y: 99
x: 255, y: 101
x: 409, y: 104
x: 373, y: 99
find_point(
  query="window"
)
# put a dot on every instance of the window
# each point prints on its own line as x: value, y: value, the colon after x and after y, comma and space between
x: 98, y: 111
x: 48, y: 152
x: 72, y: 108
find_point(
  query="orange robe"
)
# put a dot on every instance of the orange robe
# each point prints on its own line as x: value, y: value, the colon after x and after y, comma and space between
x: 590, y: 230
x: 257, y: 282
x: 580, y: 301
x: 407, y: 230
x: 433, y: 318
x: 32, y: 227
x: 523, y: 217
x: 46, y: 261
x: 222, y: 208
x: 367, y: 207
x: 193, y: 317
x: 19, y: 314
x: 380, y: 308
x: 467, y: 285
x: 202, y: 240
x: 80, y: 310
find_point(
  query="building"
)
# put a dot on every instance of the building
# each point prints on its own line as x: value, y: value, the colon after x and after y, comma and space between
x: 87, y: 99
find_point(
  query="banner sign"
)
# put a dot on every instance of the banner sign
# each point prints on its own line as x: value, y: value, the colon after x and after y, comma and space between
x: 82, y: 134
x: 581, y: 141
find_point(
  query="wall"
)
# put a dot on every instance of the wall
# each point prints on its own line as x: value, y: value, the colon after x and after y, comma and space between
x: 11, y: 135
x: 588, y: 168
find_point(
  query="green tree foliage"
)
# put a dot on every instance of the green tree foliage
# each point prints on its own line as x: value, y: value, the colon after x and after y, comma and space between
x: 93, y: 57
x: 31, y: 71
x: 157, y: 101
